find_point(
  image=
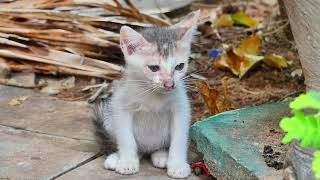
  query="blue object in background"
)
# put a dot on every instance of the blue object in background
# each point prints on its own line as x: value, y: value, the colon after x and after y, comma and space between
x: 215, y: 52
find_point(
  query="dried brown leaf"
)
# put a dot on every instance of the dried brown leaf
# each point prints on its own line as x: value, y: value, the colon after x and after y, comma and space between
x: 275, y: 61
x: 226, y: 104
x: 18, y: 100
x: 224, y: 20
x: 242, y: 59
x: 251, y: 45
x: 210, y: 96
x: 229, y: 61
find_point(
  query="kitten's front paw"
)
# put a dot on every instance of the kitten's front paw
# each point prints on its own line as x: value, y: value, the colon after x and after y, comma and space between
x: 111, y: 161
x: 159, y: 159
x: 178, y: 170
x: 128, y: 166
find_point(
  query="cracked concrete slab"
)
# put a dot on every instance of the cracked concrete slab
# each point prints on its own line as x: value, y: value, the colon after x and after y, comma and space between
x: 27, y: 155
x: 95, y: 170
x: 45, y: 114
x: 45, y: 137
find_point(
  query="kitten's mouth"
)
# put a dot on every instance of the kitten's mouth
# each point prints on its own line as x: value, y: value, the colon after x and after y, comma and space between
x: 168, y: 86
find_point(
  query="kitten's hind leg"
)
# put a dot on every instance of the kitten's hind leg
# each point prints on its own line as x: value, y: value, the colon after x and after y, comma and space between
x: 111, y: 161
x: 159, y: 158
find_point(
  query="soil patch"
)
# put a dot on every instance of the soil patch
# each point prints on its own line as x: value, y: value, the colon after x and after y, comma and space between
x: 274, y: 153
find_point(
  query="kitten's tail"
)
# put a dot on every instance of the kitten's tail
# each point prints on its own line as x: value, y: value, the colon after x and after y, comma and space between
x: 102, y: 137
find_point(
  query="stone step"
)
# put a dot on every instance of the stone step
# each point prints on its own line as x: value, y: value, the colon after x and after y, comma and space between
x: 232, y: 142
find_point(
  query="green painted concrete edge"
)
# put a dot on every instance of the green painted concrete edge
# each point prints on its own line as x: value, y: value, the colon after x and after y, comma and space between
x: 220, y: 154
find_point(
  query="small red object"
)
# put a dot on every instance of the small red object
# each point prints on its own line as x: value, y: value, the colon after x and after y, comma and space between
x: 200, y: 165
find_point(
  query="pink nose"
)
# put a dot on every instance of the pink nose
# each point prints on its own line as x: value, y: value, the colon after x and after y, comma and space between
x: 168, y: 85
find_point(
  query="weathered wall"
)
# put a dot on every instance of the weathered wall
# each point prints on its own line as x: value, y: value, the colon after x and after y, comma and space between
x: 304, y: 17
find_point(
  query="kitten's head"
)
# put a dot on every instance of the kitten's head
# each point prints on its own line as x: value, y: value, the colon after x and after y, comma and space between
x: 160, y: 54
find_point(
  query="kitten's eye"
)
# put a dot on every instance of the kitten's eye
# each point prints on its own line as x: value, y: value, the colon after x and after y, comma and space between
x: 154, y: 68
x: 179, y: 67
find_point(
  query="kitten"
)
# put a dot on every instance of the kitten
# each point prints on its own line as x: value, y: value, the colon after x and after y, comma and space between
x: 149, y: 111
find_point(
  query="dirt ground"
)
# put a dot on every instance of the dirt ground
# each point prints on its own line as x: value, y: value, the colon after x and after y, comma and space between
x: 275, y: 152
x: 262, y: 84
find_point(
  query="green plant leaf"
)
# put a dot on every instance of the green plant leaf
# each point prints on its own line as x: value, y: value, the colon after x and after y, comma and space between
x: 309, y: 100
x: 289, y: 137
x: 304, y: 127
x: 316, y: 164
x: 309, y: 128
x: 317, y: 143
x: 293, y: 128
x: 289, y: 125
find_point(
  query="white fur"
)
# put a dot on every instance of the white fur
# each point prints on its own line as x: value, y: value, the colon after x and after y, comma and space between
x: 148, y: 124
x: 149, y: 121
x: 111, y: 161
x: 160, y: 158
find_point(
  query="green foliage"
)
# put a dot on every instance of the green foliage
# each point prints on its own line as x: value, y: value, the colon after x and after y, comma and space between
x: 310, y: 100
x: 304, y: 126
x: 316, y: 164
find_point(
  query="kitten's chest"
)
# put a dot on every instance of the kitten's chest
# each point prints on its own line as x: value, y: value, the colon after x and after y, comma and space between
x: 154, y: 104
x: 152, y: 130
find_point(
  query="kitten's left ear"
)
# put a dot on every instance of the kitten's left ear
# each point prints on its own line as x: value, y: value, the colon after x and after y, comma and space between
x: 131, y: 41
x: 187, y: 27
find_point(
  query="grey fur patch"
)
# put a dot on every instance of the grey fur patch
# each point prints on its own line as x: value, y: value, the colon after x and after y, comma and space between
x: 164, y: 38
x: 103, y: 138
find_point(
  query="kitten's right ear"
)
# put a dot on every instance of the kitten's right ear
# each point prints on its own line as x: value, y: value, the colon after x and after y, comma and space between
x: 190, y: 21
x: 131, y: 41
x: 186, y: 28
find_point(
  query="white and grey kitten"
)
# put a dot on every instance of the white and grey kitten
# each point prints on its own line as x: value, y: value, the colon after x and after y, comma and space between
x: 149, y: 111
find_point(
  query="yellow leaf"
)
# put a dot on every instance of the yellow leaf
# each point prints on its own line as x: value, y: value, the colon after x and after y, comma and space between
x: 240, y: 18
x: 275, y: 61
x: 251, y: 45
x: 238, y: 63
x: 229, y: 61
x: 248, y: 62
x: 225, y: 20
x: 242, y: 59
x: 18, y: 100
